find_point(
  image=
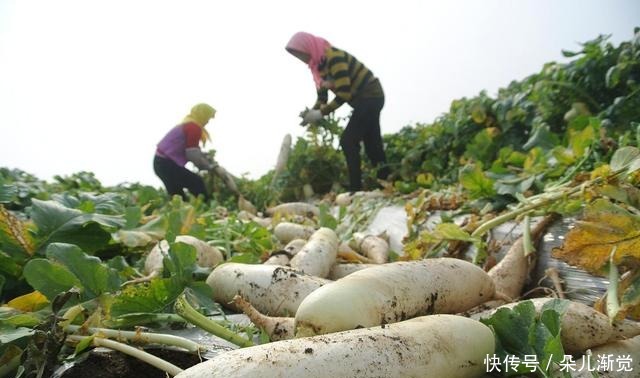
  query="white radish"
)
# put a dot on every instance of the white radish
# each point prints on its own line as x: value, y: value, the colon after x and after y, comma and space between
x: 582, y: 327
x: 283, y: 256
x: 278, y: 328
x: 617, y: 352
x: 512, y: 272
x: 294, y: 208
x: 434, y: 346
x: 393, y: 292
x: 318, y: 255
x: 344, y: 199
x: 278, y: 258
x: 287, y: 231
x: 372, y: 246
x: 283, y: 157
x: 274, y: 290
x: 342, y: 270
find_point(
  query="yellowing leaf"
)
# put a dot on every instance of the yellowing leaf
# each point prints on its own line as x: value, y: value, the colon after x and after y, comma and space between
x: 14, y: 232
x: 33, y: 301
x: 604, y: 226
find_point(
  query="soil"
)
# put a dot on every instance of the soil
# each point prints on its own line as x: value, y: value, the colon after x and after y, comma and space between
x: 110, y: 364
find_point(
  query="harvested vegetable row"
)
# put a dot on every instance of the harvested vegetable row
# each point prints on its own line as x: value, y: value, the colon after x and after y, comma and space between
x: 430, y: 347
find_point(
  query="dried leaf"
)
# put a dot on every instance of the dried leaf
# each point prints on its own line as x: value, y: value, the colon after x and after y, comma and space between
x: 605, y: 225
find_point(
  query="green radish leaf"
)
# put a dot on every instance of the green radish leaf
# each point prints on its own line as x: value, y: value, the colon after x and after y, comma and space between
x: 8, y: 193
x: 95, y: 277
x: 521, y: 332
x: 474, y: 180
x: 612, y: 78
x: 325, y: 219
x: 49, y: 278
x: 146, y: 234
x: 57, y: 223
x: 9, y: 266
x: 542, y: 137
x: 180, y: 262
x: 10, y: 334
x: 245, y: 258
x: 451, y: 231
x: 155, y: 296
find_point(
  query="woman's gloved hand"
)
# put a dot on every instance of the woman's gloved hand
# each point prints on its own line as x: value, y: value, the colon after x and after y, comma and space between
x: 311, y: 116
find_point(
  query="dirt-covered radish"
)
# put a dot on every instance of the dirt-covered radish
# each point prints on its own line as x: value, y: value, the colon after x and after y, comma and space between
x: 372, y: 246
x: 272, y: 289
x: 389, y: 293
x: 207, y: 255
x: 434, y: 346
x: 318, y: 255
x: 582, y: 327
x: 618, y: 352
x: 342, y: 270
x: 294, y: 208
x: 287, y: 231
x: 512, y: 272
x: 283, y: 256
x: 278, y: 328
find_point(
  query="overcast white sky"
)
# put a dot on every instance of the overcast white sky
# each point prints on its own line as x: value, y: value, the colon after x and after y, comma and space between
x: 93, y: 85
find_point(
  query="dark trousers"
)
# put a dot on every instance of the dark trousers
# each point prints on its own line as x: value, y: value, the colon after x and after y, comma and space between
x: 364, y: 126
x: 176, y: 178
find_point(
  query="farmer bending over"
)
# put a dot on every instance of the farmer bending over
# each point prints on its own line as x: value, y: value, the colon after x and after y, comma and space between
x: 181, y: 145
x: 351, y: 82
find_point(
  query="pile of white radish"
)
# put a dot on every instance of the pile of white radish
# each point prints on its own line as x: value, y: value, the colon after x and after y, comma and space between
x: 274, y: 290
x: 433, y: 346
x: 393, y: 292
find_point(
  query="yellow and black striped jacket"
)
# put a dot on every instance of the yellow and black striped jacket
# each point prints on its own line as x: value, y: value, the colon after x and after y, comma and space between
x: 348, y: 78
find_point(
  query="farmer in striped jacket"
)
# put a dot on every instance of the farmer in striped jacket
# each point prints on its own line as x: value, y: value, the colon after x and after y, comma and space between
x: 351, y: 82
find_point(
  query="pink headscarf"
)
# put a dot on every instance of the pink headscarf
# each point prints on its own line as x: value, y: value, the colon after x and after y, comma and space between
x: 312, y: 45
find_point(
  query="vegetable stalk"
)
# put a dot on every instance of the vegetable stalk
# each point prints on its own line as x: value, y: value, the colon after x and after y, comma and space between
x: 141, y: 337
x: 184, y: 309
x: 152, y: 360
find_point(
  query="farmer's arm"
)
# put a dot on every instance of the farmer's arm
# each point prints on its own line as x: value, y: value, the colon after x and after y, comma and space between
x: 192, y: 134
x: 339, y: 71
